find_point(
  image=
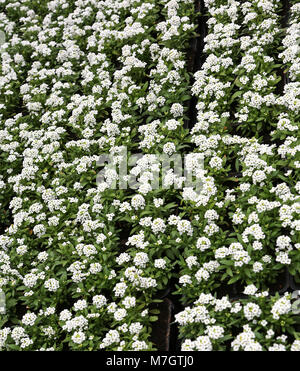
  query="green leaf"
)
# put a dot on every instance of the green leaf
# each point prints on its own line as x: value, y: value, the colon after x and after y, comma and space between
x: 233, y: 279
x: 229, y: 272
x: 154, y: 311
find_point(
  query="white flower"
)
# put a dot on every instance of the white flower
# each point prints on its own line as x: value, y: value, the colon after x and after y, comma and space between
x: 281, y: 306
x: 252, y: 310
x: 295, y: 346
x: 65, y: 315
x: 29, y: 319
x: 141, y: 259
x: 176, y: 110
x: 215, y: 332
x: 129, y: 302
x: 78, y: 337
x: 52, y: 284
x: 139, y: 345
x: 99, y: 301
x: 120, y: 314
x: 135, y: 328
x: 30, y: 279
x: 158, y: 225
x: 203, y: 243
x: 80, y: 305
x: 160, y: 263
x: 250, y: 290
x: 203, y: 343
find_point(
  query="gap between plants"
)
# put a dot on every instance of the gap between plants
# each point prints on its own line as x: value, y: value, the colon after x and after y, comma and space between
x: 164, y: 331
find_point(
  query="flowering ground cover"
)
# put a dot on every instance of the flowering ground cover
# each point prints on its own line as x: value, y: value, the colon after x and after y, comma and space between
x: 86, y: 252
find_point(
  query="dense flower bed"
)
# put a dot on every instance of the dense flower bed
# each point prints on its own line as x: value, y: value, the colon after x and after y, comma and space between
x: 248, y: 128
x: 82, y: 264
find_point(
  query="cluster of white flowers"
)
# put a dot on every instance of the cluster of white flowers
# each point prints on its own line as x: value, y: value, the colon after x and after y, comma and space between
x: 281, y: 306
x: 246, y: 130
x: 209, y: 317
x: 78, y: 80
x: 291, y: 53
